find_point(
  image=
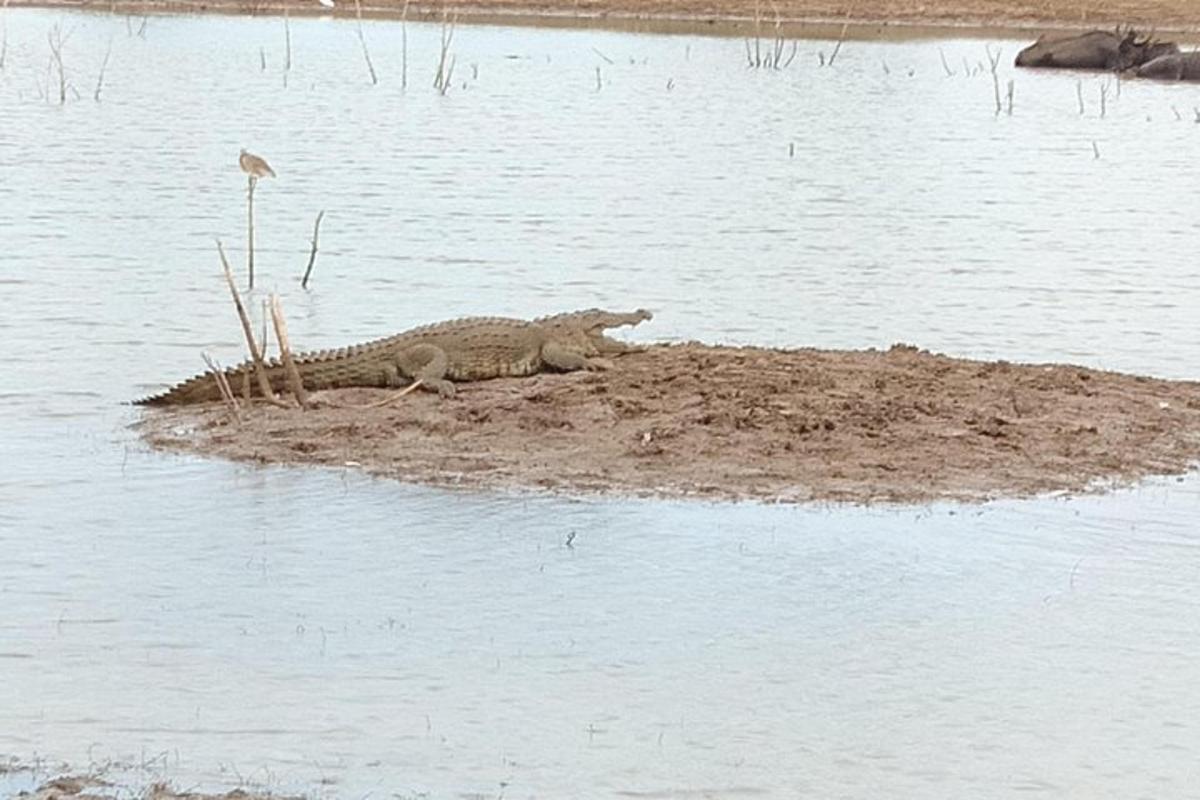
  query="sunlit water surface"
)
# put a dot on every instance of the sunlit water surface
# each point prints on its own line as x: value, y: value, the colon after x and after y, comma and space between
x: 319, y: 631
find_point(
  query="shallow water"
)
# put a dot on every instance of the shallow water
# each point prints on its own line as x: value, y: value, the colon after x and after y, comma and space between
x: 324, y: 632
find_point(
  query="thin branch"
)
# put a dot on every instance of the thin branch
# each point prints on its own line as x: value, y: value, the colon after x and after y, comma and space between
x: 223, y: 386
x: 103, y: 66
x: 251, y: 183
x: 312, y: 255
x: 391, y: 398
x: 363, y: 41
x: 287, y: 40
x: 260, y: 368
x: 285, y: 353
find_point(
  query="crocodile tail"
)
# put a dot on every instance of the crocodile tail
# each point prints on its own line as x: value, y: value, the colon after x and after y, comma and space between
x: 203, y: 388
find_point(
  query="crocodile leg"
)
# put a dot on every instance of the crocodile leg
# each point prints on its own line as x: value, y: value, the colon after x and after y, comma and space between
x: 427, y: 363
x: 609, y: 346
x: 564, y: 359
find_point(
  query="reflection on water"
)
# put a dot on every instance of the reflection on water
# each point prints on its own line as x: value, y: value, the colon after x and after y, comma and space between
x: 346, y: 636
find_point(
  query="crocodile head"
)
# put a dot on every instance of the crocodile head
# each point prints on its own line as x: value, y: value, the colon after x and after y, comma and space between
x: 585, y: 329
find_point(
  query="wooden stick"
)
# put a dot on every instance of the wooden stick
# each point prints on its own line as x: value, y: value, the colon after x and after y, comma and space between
x: 223, y: 386
x: 285, y: 353
x: 250, y: 229
x: 260, y: 369
x: 391, y: 398
x: 265, y: 338
x: 312, y: 255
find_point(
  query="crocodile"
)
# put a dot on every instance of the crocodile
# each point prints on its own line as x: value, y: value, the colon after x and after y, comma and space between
x: 438, y: 355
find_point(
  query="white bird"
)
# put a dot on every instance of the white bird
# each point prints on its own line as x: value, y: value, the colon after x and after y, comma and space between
x: 254, y: 166
x: 326, y: 3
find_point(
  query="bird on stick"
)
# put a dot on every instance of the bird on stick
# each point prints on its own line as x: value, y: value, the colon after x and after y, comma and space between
x: 254, y: 166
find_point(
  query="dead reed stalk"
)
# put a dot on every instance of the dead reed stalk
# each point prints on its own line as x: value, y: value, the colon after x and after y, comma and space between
x: 363, y: 41
x: 285, y: 353
x: 1103, y: 99
x: 441, y: 80
x: 260, y: 368
x: 994, y: 60
x: 103, y: 66
x: 1079, y: 94
x: 838, y: 47
x: 945, y: 65
x: 404, y: 47
x: 287, y: 42
x: 3, y: 33
x: 56, y: 40
x: 312, y: 254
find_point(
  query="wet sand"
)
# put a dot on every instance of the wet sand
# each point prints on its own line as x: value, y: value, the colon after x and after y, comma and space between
x: 811, y: 18
x: 692, y: 420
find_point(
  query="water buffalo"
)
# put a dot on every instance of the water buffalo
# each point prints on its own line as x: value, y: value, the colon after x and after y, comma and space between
x: 1173, y: 67
x: 1110, y: 50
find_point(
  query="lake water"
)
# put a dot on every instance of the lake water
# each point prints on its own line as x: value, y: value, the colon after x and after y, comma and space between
x: 318, y: 631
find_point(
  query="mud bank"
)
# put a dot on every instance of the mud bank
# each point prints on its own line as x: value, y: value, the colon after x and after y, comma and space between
x: 798, y: 18
x: 86, y: 787
x: 691, y: 420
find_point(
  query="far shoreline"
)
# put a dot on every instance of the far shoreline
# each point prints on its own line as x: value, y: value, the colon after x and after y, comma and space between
x: 734, y: 18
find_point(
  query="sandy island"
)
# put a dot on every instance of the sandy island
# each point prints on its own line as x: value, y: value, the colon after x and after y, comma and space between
x: 691, y: 420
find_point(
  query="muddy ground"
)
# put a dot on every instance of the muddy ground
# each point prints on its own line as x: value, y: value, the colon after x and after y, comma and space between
x: 88, y: 787
x: 800, y: 17
x: 691, y: 420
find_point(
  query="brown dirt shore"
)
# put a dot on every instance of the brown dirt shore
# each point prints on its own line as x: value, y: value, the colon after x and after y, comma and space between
x: 89, y: 787
x: 692, y: 420
x: 815, y: 18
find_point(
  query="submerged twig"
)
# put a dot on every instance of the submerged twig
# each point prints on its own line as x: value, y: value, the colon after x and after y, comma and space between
x: 103, y: 66
x: 994, y: 60
x: 312, y: 254
x: 441, y: 80
x: 404, y: 47
x: 945, y: 65
x: 56, y: 40
x: 838, y: 47
x: 363, y: 41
